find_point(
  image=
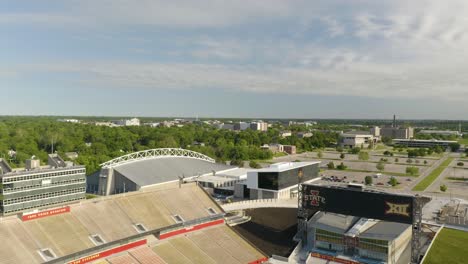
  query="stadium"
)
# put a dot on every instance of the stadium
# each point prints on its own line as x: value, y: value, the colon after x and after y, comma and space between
x: 163, y: 221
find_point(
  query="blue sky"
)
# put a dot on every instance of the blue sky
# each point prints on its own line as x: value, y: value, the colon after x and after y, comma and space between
x: 297, y: 59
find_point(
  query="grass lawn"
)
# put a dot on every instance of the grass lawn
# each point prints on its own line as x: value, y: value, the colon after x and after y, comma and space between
x: 450, y: 247
x: 463, y: 141
x: 422, y: 185
x: 279, y: 154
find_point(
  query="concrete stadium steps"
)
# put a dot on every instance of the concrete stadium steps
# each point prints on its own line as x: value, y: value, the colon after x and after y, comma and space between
x: 63, y: 233
x: 213, y: 245
x: 145, y: 255
x: 105, y: 218
x: 142, y: 209
x: 233, y: 244
x: 190, y: 250
x: 187, y: 204
x: 170, y: 254
x: 17, y: 246
x: 215, y: 251
x: 122, y: 259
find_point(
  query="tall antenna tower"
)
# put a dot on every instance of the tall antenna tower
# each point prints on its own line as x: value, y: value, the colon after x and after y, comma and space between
x: 459, y: 128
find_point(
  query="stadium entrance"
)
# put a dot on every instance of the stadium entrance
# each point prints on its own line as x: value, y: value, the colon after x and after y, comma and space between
x: 359, y: 202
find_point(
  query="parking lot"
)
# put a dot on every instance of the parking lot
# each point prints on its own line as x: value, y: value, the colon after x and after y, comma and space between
x: 381, y: 182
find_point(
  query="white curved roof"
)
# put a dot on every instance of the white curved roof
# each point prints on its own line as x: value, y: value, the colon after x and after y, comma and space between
x: 155, y: 154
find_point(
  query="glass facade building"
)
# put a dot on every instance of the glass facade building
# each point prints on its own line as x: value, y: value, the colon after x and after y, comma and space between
x: 284, y: 179
x: 40, y: 187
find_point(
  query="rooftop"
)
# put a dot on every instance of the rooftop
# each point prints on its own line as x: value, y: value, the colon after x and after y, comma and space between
x: 284, y: 166
x: 166, y: 169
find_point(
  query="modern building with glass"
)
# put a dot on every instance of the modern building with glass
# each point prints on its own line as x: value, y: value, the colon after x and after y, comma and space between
x: 361, y: 239
x: 37, y: 186
x: 279, y: 181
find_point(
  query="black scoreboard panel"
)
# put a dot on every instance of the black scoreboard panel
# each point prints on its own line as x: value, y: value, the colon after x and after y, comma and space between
x: 347, y: 201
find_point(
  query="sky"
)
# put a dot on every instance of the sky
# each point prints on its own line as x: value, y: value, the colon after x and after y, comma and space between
x: 259, y: 58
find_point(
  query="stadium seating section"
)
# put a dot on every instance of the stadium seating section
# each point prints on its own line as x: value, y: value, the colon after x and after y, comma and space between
x: 113, y: 218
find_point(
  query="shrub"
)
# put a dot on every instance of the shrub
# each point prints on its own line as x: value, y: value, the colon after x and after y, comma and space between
x: 239, y: 163
x: 368, y: 180
x: 409, y: 161
x: 363, y: 156
x: 460, y: 163
x: 412, y: 170
x: 355, y: 150
x: 393, y: 181
x: 397, y: 160
x: 380, y: 166
x: 443, y: 188
x: 342, y: 156
x: 320, y: 154
x: 425, y: 161
x: 341, y: 166
x: 254, y: 164
x: 331, y: 165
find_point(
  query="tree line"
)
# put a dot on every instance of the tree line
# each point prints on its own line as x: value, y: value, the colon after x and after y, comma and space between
x: 38, y: 136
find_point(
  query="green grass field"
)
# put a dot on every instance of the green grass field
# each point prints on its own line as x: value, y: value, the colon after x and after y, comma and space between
x: 422, y: 185
x: 463, y: 141
x: 450, y: 247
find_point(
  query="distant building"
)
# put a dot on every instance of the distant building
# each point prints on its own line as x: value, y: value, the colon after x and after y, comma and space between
x: 128, y: 122
x: 421, y: 143
x: 304, y: 134
x: 375, y: 131
x: 360, y: 139
x: 107, y: 124
x: 259, y: 126
x: 38, y: 186
x: 275, y: 147
x: 397, y: 132
x: 69, y: 120
x: 239, y: 126
x: 441, y: 132
x: 284, y: 134
x: 290, y: 149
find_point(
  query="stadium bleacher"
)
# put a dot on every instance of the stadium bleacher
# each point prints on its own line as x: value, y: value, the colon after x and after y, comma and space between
x: 113, y: 218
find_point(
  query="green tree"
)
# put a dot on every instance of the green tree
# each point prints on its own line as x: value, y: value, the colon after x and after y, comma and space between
x: 368, y: 180
x: 341, y: 166
x: 354, y: 150
x: 380, y: 166
x: 425, y: 162
x: 443, y: 188
x: 454, y: 147
x: 342, y: 156
x: 331, y: 165
x: 396, y: 160
x: 363, y: 155
x: 412, y: 170
x: 460, y: 164
x: 320, y: 154
x: 393, y: 181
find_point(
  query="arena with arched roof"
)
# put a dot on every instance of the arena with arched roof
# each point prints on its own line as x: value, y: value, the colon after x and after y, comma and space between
x: 147, y: 168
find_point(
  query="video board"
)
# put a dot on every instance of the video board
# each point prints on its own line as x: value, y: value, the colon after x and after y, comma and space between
x: 362, y: 203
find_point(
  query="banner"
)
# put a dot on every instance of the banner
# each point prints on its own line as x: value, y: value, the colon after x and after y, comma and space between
x: 109, y: 252
x: 32, y: 216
